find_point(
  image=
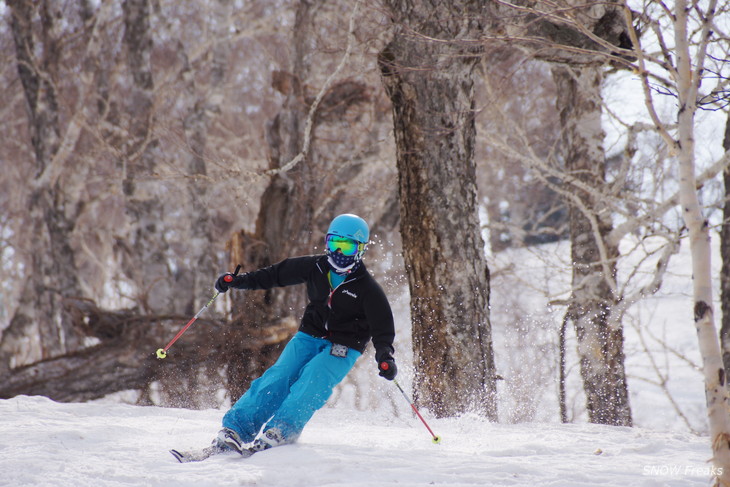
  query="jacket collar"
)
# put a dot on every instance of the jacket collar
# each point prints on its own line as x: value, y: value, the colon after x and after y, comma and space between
x: 324, y: 268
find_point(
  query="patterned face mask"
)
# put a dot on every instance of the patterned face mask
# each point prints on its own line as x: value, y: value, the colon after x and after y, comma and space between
x: 341, y: 263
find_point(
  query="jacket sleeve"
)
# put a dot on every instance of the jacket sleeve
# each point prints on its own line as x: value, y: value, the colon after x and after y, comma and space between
x: 288, y: 272
x: 380, y: 318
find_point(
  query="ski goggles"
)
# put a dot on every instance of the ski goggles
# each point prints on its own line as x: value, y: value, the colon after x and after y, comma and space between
x: 345, y: 245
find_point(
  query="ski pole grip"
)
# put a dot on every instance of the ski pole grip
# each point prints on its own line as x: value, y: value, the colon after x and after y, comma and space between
x: 229, y: 277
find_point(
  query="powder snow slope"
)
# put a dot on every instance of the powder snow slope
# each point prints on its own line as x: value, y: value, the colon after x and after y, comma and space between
x: 44, y: 443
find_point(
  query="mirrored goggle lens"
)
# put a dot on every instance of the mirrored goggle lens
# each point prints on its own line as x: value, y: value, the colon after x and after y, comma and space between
x: 344, y: 245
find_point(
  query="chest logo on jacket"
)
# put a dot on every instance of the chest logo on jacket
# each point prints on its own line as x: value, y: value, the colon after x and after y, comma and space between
x: 349, y: 293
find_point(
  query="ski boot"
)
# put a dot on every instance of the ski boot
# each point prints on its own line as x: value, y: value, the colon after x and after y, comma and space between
x: 228, y: 440
x: 272, y: 437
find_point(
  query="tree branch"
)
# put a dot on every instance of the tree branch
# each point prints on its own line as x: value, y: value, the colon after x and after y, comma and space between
x: 315, y: 105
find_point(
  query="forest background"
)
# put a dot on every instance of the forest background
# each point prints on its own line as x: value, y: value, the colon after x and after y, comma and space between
x: 149, y: 146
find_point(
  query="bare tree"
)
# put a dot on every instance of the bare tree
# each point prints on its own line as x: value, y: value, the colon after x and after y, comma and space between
x: 284, y: 221
x: 522, y: 210
x: 686, y: 69
x: 677, y: 68
x: 600, y: 345
x: 581, y: 35
x: 144, y: 258
x: 53, y: 211
x: 578, y: 39
x: 292, y: 214
x: 207, y: 97
x: 429, y: 76
x: 162, y: 122
x: 725, y: 256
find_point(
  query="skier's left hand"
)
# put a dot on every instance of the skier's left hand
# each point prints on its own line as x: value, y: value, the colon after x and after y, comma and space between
x: 224, y: 282
x: 387, y: 367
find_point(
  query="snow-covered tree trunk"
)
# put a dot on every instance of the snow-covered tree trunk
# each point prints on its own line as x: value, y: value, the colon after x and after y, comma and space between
x: 429, y: 77
x: 600, y: 339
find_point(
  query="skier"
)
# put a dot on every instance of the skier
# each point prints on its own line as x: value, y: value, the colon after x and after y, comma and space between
x: 346, y: 309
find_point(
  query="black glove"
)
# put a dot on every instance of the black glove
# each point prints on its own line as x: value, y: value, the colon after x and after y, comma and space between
x: 387, y: 367
x: 224, y: 282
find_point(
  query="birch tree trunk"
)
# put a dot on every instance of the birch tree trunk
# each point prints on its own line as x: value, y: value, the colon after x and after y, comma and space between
x: 600, y: 339
x: 688, y: 81
x: 431, y: 87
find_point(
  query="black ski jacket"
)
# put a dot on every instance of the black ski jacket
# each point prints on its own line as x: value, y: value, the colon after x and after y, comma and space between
x: 351, y: 314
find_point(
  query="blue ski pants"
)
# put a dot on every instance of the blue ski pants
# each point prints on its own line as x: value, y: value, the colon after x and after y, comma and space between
x: 292, y: 390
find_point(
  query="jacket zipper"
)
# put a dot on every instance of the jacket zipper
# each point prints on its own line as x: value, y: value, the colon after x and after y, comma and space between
x: 332, y: 292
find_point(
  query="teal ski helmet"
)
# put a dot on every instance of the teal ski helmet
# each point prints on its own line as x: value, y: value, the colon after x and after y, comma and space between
x: 350, y: 226
x: 344, y: 257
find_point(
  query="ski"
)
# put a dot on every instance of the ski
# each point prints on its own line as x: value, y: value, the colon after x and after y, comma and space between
x: 195, y: 455
x: 200, y: 455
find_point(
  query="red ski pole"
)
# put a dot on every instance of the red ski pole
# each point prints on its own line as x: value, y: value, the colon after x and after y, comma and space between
x: 436, y: 438
x: 162, y: 352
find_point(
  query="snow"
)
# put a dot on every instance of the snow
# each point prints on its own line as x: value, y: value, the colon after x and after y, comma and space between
x: 44, y: 443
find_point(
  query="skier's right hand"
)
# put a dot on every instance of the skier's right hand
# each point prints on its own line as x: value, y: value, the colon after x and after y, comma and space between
x: 224, y: 282
x: 387, y: 367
